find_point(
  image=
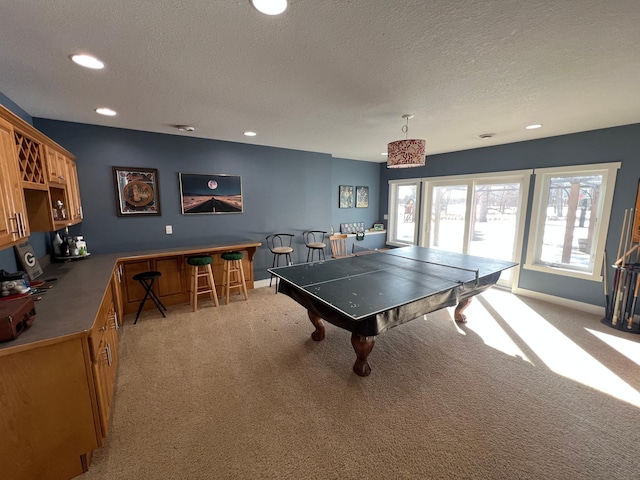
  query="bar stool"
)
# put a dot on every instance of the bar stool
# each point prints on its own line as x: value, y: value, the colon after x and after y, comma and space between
x: 233, y: 275
x: 313, y: 239
x: 146, y: 279
x: 201, y: 267
x: 280, y: 245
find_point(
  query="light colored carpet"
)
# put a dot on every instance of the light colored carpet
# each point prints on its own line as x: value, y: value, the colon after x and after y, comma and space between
x: 242, y: 392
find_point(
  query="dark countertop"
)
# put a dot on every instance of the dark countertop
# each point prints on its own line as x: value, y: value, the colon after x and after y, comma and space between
x: 71, y: 306
x: 69, y: 309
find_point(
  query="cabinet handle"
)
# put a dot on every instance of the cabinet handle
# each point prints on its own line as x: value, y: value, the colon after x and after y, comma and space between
x: 80, y: 211
x: 102, y: 329
x: 61, y: 177
x: 115, y: 321
x: 109, y: 357
x: 23, y: 228
x: 20, y: 228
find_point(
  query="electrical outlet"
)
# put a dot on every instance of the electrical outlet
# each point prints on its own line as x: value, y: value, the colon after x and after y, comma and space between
x: 386, y: 217
x: 168, y: 229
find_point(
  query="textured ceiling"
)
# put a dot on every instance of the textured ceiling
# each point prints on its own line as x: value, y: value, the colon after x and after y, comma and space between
x: 332, y: 76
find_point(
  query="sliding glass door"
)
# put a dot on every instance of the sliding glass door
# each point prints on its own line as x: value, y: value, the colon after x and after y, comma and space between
x: 479, y: 215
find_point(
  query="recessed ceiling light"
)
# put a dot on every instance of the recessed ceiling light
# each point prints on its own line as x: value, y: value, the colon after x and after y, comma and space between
x: 250, y: 134
x: 106, y: 111
x: 186, y: 128
x: 87, y: 61
x: 534, y: 126
x: 487, y: 135
x: 270, y: 7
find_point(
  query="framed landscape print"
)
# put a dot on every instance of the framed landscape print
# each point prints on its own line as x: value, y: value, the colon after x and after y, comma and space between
x: 362, y: 197
x: 346, y: 196
x: 203, y: 193
x: 136, y: 191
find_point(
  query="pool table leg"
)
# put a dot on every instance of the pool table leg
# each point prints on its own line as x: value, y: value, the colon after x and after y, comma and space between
x: 458, y: 316
x: 362, y: 346
x: 317, y: 322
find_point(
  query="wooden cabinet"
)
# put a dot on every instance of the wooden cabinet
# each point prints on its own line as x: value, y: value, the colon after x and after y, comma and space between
x: 56, y: 166
x: 103, y: 341
x: 14, y: 226
x: 73, y: 191
x: 56, y: 397
x: 46, y: 173
x: 171, y: 287
x: 48, y: 416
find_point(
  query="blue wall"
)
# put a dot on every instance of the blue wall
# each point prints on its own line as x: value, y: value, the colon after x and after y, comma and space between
x: 619, y: 144
x: 283, y: 190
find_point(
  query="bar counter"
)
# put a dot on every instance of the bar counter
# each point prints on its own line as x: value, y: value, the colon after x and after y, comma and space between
x: 69, y: 309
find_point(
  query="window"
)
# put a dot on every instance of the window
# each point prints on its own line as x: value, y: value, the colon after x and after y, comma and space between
x: 479, y: 214
x: 403, y: 212
x: 570, y: 219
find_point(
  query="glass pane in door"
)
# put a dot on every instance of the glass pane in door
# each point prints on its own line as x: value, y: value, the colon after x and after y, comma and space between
x: 406, y: 214
x: 448, y: 215
x: 494, y: 222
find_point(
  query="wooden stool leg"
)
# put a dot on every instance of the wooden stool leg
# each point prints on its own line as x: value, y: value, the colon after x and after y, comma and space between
x: 227, y: 280
x: 244, y: 284
x: 194, y: 287
x: 212, y: 286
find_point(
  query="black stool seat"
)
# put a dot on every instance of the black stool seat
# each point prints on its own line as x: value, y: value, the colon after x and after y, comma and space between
x: 146, y: 279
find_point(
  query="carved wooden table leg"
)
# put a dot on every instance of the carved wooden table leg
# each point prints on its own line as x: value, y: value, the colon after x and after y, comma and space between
x: 458, y: 316
x: 317, y: 322
x: 362, y: 346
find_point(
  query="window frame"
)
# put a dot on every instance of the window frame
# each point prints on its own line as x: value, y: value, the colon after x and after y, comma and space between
x: 535, y: 237
x: 523, y: 177
x: 392, y: 221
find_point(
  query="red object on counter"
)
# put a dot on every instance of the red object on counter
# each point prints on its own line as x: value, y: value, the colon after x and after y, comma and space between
x: 15, y: 317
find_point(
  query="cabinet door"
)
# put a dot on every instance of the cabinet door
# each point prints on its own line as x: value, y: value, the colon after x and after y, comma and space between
x: 104, y: 342
x: 171, y: 286
x: 133, y: 291
x: 73, y: 191
x: 56, y: 166
x: 13, y: 220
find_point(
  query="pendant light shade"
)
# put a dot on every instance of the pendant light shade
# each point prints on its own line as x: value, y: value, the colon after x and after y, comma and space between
x: 406, y: 153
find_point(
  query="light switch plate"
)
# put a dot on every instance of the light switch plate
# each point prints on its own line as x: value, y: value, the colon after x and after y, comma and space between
x: 168, y: 229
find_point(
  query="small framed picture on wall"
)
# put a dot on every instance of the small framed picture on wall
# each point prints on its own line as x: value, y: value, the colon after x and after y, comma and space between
x: 346, y: 196
x: 362, y: 197
x: 136, y: 191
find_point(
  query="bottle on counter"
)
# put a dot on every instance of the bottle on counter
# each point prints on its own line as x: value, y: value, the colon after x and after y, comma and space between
x: 57, y: 245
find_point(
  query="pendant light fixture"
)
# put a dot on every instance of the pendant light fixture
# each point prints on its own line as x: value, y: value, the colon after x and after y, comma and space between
x: 408, y: 152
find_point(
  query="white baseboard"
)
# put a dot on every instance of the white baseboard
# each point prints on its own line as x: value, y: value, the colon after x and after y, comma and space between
x: 583, y: 307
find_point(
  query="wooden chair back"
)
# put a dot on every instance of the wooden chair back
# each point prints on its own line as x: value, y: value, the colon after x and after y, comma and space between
x: 338, y: 245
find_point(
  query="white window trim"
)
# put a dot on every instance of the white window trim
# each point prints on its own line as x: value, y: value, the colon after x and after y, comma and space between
x: 536, y: 230
x: 392, y: 215
x: 520, y: 176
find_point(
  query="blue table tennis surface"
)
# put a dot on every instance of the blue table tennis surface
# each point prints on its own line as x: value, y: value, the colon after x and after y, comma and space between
x: 375, y: 283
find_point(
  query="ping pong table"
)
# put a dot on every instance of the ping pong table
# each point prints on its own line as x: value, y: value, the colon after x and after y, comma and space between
x: 372, y: 292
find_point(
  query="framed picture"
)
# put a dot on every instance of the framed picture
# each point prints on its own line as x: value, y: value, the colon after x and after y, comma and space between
x: 136, y: 191
x: 362, y: 197
x: 346, y: 196
x: 204, y: 193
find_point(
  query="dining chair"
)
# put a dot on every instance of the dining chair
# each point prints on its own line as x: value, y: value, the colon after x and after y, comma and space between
x: 314, y: 240
x: 338, y: 244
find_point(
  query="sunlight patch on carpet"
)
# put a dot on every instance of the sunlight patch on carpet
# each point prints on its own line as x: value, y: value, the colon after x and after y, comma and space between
x: 558, y: 351
x: 629, y: 349
x: 487, y: 328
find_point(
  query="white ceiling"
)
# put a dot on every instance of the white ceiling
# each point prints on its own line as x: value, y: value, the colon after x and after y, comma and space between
x: 332, y: 76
